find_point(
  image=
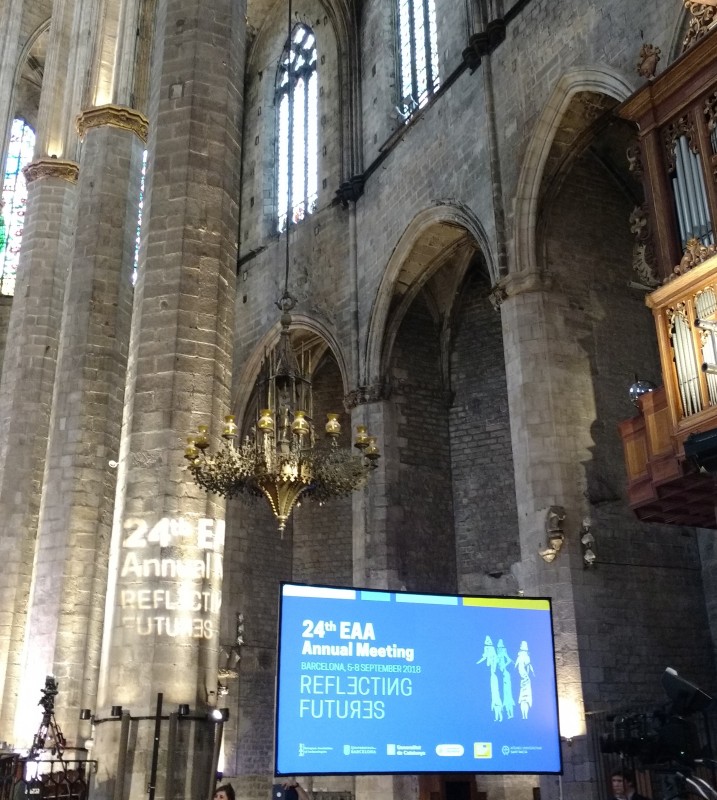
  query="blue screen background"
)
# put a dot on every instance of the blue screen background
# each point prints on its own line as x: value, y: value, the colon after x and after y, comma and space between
x: 453, y: 714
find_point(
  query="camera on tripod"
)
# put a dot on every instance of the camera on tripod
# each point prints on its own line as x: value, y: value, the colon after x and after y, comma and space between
x: 665, y: 735
x: 49, y: 693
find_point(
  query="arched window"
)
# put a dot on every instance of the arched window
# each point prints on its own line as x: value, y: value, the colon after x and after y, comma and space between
x: 297, y: 127
x: 14, y: 198
x: 418, y: 54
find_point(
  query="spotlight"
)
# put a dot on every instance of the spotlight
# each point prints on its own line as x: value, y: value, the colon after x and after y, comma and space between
x: 85, y: 713
x: 219, y: 714
x: 116, y: 711
x: 183, y: 709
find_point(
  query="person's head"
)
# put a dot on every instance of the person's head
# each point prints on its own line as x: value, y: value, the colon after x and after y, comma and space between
x: 225, y: 792
x: 623, y: 782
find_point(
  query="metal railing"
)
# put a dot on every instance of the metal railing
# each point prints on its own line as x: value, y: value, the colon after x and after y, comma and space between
x: 55, y: 779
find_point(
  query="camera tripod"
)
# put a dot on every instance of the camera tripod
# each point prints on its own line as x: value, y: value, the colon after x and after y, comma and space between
x: 49, y: 729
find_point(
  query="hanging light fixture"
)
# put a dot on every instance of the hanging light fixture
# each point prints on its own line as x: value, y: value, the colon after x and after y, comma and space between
x: 281, y: 458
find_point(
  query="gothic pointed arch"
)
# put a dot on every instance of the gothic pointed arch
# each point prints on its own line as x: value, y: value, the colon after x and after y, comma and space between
x: 434, y: 233
x: 303, y: 328
x: 600, y: 81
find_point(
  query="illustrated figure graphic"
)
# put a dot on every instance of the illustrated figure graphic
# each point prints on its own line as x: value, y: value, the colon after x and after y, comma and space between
x: 504, y: 661
x: 497, y: 660
x: 491, y: 658
x: 525, y: 668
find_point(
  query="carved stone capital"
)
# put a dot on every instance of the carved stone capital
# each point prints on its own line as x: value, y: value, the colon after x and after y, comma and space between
x: 373, y: 393
x: 52, y: 168
x: 128, y: 119
x: 518, y: 283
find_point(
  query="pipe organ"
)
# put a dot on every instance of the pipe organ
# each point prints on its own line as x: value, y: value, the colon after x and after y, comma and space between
x: 676, y: 118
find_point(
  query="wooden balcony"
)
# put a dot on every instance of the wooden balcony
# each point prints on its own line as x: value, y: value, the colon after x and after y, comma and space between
x: 662, y: 485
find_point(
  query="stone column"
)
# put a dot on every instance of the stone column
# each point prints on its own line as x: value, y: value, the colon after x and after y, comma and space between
x: 546, y: 374
x: 65, y: 621
x: 161, y: 634
x: 10, y: 19
x: 33, y: 334
x: 25, y: 400
x: 73, y: 34
x: 376, y: 557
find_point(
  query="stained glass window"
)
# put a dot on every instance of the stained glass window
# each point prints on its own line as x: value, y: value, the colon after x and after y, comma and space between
x: 418, y: 54
x: 139, y: 217
x: 297, y: 127
x: 14, y: 200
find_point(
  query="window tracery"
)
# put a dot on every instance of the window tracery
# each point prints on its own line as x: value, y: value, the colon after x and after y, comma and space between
x: 297, y: 127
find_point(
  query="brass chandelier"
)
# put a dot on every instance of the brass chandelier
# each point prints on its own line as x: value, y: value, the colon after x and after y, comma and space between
x: 280, y: 458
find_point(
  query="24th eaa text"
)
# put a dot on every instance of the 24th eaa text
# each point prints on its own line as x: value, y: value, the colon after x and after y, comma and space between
x: 361, y: 641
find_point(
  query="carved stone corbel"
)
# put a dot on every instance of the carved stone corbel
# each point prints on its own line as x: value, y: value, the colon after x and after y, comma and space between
x: 372, y: 393
x: 518, y: 283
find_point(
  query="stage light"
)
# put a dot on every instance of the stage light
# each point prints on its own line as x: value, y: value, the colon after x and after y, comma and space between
x: 85, y: 713
x: 183, y: 709
x: 116, y: 711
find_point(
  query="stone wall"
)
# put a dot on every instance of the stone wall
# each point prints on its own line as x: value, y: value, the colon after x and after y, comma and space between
x: 481, y: 456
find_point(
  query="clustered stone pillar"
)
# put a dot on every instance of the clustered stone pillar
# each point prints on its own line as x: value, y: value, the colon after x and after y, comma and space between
x: 65, y: 622
x: 546, y: 374
x: 25, y: 401
x: 166, y: 567
x: 34, y: 343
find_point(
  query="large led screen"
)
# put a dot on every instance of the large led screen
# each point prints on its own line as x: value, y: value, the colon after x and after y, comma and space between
x: 373, y: 682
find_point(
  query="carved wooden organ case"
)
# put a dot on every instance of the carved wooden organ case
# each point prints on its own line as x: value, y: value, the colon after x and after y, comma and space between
x: 671, y: 446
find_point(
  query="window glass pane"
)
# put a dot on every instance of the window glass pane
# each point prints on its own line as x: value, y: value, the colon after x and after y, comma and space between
x: 433, y: 35
x: 419, y: 36
x: 312, y: 135
x: 14, y: 198
x: 418, y: 54
x: 283, y: 161
x: 297, y: 128
x: 140, y: 210
x: 297, y: 143
x: 404, y: 39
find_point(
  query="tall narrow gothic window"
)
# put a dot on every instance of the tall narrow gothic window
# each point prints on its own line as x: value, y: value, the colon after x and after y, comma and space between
x: 14, y: 198
x: 418, y: 54
x: 297, y: 123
